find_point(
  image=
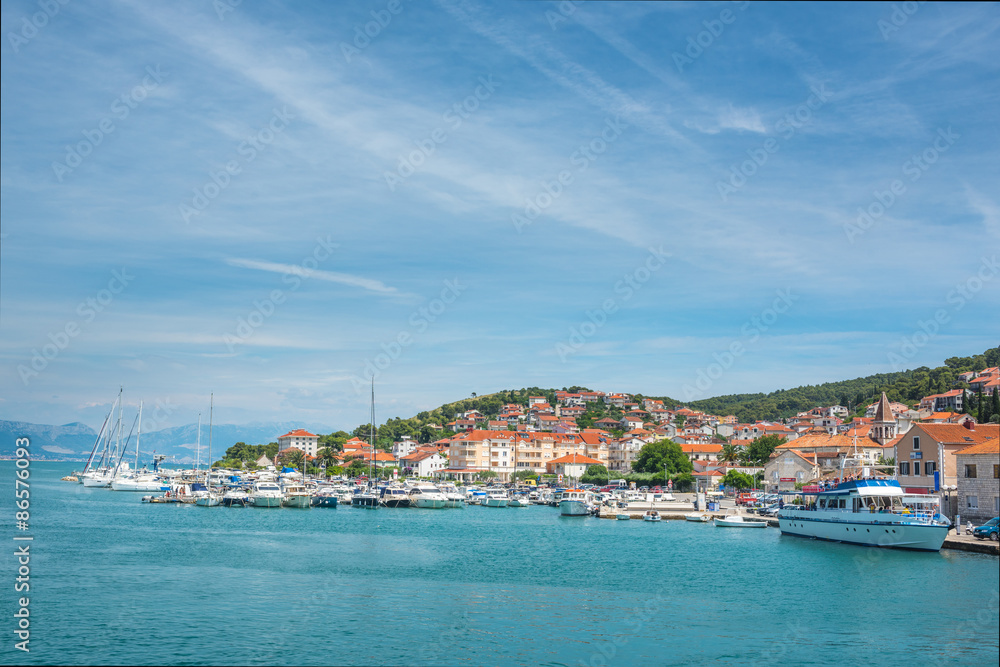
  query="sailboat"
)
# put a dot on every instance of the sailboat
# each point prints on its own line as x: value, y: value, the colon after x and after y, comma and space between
x: 368, y: 497
x: 138, y: 480
x: 209, y: 498
x: 100, y: 475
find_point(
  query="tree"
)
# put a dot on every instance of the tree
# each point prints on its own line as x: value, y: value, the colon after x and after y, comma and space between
x: 293, y: 457
x: 995, y: 416
x: 356, y: 468
x: 737, y: 480
x: 730, y: 453
x: 522, y: 475
x: 683, y: 481
x: 595, y: 474
x: 485, y: 475
x: 760, y: 450
x: 660, y: 456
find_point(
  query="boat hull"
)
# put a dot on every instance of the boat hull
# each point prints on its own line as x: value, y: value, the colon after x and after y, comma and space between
x: 700, y: 518
x: 496, y: 502
x: 324, y: 501
x: 396, y: 502
x: 368, y: 502
x: 573, y: 508
x: 208, y: 501
x: 130, y: 485
x: 96, y: 482
x: 266, y: 501
x: 233, y: 502
x: 729, y: 523
x: 428, y: 503
x: 302, y: 502
x: 867, y: 533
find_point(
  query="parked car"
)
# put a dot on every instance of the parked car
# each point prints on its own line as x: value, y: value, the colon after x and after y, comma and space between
x: 770, y: 510
x: 988, y: 529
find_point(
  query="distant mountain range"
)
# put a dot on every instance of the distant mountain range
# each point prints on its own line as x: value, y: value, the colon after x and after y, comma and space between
x: 74, y: 441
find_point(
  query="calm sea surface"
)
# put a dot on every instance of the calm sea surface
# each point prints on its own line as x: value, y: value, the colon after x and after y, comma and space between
x: 117, y: 581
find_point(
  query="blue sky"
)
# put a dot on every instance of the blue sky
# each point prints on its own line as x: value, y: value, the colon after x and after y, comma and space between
x: 258, y: 200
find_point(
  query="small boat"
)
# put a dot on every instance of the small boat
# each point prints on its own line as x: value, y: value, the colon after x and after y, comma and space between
x: 519, y: 501
x: 701, y: 517
x: 235, y: 498
x: 70, y: 478
x: 455, y: 498
x: 266, y: 494
x: 296, y: 496
x: 496, y: 499
x: 394, y: 496
x: 651, y: 515
x: 575, y: 502
x: 734, y: 520
x: 325, y: 498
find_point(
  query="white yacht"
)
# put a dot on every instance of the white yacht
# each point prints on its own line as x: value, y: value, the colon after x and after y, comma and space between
x: 496, y: 498
x: 425, y: 495
x: 872, y: 512
x: 266, y: 493
x: 139, y: 482
x: 455, y: 498
x: 575, y: 502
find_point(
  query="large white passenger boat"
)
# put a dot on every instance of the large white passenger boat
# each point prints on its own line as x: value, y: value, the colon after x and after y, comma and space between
x: 873, y: 512
x: 425, y: 495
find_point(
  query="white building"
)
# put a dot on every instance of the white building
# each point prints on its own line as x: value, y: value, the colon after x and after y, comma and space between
x: 301, y: 440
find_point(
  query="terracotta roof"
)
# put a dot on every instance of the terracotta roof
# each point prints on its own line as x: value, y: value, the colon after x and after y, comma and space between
x: 298, y: 433
x: 575, y: 458
x: 991, y: 446
x: 956, y: 434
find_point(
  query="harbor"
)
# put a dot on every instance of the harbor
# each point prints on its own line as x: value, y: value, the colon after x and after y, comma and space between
x: 477, y: 585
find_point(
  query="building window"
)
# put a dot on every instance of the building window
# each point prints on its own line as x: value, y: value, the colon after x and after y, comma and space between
x: 972, y: 502
x: 916, y: 443
x: 970, y: 470
x: 916, y: 468
x: 996, y: 471
x: 930, y: 467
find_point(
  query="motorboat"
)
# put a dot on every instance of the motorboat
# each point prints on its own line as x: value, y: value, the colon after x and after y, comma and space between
x: 651, y: 515
x: 266, y: 493
x: 496, y: 498
x: 366, y: 497
x: 734, y: 520
x: 519, y: 500
x: 701, y: 517
x: 235, y: 498
x: 139, y: 482
x: 296, y: 496
x: 394, y: 496
x: 325, y: 498
x: 424, y: 495
x: 575, y: 502
x: 871, y: 512
x: 455, y: 498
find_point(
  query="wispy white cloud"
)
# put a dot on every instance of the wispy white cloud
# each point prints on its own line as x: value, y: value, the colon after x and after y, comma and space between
x: 367, y: 284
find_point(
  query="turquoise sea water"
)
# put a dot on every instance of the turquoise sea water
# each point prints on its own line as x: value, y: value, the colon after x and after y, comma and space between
x: 117, y: 581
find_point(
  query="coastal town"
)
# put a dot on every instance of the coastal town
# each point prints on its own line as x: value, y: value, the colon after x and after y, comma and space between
x: 933, y: 446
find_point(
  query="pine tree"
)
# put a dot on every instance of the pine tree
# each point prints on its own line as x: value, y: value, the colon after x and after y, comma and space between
x: 996, y: 405
x: 979, y: 402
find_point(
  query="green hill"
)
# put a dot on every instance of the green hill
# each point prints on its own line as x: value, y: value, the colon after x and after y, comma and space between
x: 906, y: 387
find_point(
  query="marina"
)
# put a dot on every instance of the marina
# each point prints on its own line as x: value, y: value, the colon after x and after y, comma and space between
x: 289, y: 574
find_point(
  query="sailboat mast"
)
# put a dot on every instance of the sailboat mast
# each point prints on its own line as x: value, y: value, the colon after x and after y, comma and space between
x: 197, y: 463
x: 121, y: 417
x: 371, y: 434
x: 208, y: 470
x: 138, y: 433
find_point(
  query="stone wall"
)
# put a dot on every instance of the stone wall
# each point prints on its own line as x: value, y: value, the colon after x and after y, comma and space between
x: 985, y: 486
